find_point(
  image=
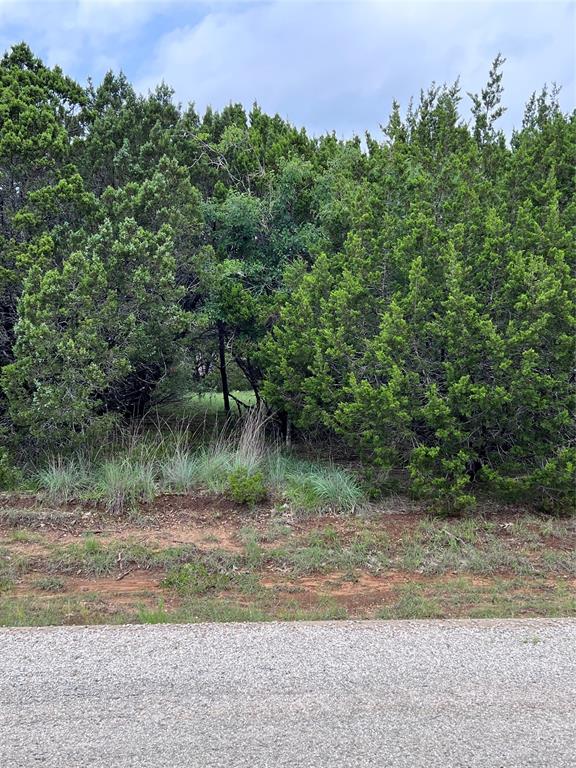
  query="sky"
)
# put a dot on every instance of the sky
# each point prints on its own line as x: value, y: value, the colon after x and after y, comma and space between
x: 327, y: 65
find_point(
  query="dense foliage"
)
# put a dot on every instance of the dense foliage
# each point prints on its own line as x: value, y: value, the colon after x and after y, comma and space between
x: 413, y: 295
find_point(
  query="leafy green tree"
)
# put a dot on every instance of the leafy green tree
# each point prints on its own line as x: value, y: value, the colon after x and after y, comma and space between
x: 413, y: 296
x: 92, y: 334
x: 39, y: 112
x: 440, y: 341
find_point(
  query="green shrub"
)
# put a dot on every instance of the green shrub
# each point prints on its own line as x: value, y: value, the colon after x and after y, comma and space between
x: 438, y: 341
x: 9, y: 475
x: 246, y: 487
x: 551, y: 487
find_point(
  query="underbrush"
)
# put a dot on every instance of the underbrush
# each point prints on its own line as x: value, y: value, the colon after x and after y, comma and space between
x: 239, y: 464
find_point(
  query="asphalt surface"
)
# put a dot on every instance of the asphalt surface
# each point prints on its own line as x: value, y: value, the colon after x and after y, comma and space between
x: 387, y: 694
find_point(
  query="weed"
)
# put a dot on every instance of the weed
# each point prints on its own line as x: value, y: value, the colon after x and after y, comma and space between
x: 33, y: 517
x: 327, y: 610
x: 314, y: 488
x: 93, y: 558
x: 558, y: 561
x: 157, y: 615
x: 254, y: 554
x: 246, y: 487
x: 202, y: 609
x: 479, y: 546
x: 30, y: 612
x: 438, y: 546
x: 179, y: 471
x: 216, y: 609
x: 275, y: 530
x: 63, y: 480
x: 10, y: 567
x: 412, y: 605
x: 23, y: 536
x: 196, y: 578
x: 324, y: 551
x: 122, y: 483
x: 49, y: 584
x: 502, y: 598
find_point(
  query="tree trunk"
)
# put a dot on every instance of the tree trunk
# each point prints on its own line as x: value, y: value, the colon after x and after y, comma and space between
x: 223, y: 373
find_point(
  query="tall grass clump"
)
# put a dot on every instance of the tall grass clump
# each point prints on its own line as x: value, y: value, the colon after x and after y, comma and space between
x: 124, y: 482
x: 320, y: 489
x: 311, y: 487
x: 233, y: 454
x: 63, y: 480
x: 251, y: 448
x: 238, y: 462
x: 179, y: 471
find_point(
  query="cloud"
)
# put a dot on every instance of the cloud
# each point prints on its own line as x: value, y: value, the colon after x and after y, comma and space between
x: 326, y: 65
x: 339, y: 65
x: 81, y: 35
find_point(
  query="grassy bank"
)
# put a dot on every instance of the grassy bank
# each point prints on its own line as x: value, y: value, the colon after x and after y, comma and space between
x: 201, y: 557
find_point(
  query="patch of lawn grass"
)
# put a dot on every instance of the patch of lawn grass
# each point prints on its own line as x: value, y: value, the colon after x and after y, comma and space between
x: 470, y: 545
x: 22, y: 536
x: 528, y: 600
x: 49, y: 584
x: 478, y: 546
x: 201, y: 609
x: 92, y: 558
x: 533, y: 529
x: 326, y: 610
x: 214, y: 571
x: 412, y: 604
x: 11, y: 566
x: 34, y: 612
x: 324, y: 551
x: 559, y: 561
x: 196, y: 579
x: 463, y: 598
x: 202, y: 405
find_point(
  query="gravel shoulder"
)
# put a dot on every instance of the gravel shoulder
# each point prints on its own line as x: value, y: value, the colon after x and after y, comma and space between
x: 427, y: 693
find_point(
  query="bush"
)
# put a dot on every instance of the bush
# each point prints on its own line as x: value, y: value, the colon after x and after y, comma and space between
x: 246, y: 487
x: 551, y: 487
x: 9, y: 475
x: 439, y: 341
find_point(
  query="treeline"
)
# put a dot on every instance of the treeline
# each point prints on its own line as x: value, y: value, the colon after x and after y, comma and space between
x: 412, y: 294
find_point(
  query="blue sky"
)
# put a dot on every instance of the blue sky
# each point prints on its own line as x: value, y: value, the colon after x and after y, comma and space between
x: 325, y: 65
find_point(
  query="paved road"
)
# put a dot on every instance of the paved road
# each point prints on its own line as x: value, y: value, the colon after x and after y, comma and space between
x: 492, y: 693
